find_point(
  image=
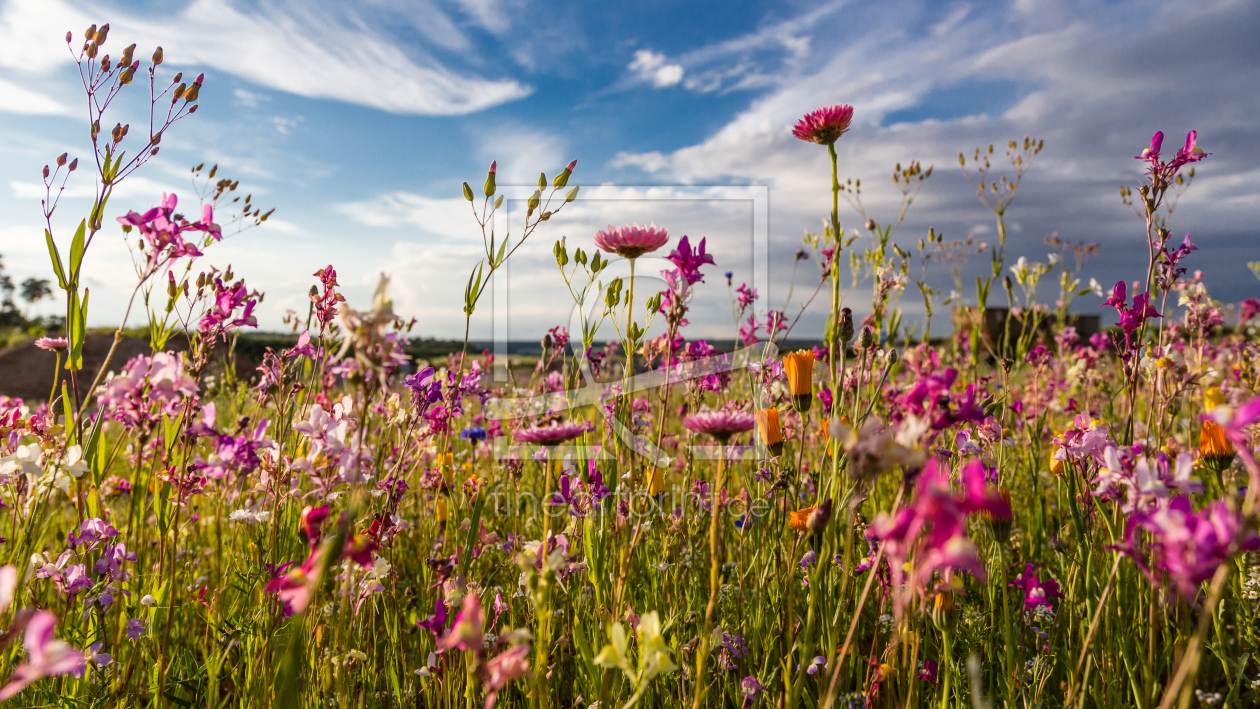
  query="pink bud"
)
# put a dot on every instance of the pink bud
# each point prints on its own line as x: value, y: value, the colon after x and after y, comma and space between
x: 494, y: 167
x: 571, y: 166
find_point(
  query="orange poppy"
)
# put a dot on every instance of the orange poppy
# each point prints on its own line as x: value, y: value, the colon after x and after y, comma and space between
x: 799, y: 368
x: 1212, y: 442
x: 797, y: 519
x: 771, y: 431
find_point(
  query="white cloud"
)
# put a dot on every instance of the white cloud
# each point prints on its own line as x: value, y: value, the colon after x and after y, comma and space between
x: 19, y: 99
x: 297, y: 48
x: 446, y: 218
x: 655, y: 68
x: 248, y: 99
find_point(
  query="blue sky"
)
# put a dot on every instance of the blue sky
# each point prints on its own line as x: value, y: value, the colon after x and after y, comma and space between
x: 358, y: 121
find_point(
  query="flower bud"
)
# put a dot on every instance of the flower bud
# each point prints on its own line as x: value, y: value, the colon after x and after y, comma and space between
x: 91, y: 32
x: 157, y: 56
x: 866, y: 339
x: 45, y: 172
x: 542, y: 180
x: 468, y: 193
x: 870, y: 225
x: 489, y: 188
x: 572, y: 195
x: 101, y: 34
x: 846, y: 325
x: 817, y: 520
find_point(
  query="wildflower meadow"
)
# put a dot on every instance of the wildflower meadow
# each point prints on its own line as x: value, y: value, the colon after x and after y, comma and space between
x: 1034, y: 511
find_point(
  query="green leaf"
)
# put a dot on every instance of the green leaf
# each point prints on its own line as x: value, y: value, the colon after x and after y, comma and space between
x: 77, y: 246
x: 466, y: 555
x: 56, y: 259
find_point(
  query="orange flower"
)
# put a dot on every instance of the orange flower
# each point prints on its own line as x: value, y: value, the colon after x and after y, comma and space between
x: 771, y: 431
x: 799, y: 368
x: 1212, y: 442
x: 798, y: 518
x: 1057, y: 467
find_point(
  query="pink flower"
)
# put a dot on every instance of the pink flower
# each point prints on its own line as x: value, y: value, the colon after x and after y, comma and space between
x: 293, y: 588
x: 825, y: 125
x: 1188, y: 546
x: 940, y: 516
x: 631, y: 240
x: 507, y: 666
x: 552, y: 434
x: 1037, y: 593
x: 468, y: 631
x: 53, y: 344
x: 720, y: 424
x: 47, y: 656
x: 218, y: 318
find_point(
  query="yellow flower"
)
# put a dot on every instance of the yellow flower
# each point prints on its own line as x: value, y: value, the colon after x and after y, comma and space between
x: 657, y: 484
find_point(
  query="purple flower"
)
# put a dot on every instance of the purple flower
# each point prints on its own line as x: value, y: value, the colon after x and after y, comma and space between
x: 219, y: 318
x: 426, y: 389
x: 435, y: 623
x: 135, y: 628
x: 749, y: 688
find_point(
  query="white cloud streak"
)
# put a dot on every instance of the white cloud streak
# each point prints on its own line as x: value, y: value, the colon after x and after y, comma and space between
x: 294, y: 47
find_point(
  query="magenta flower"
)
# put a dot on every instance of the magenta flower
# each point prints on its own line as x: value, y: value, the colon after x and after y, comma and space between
x: 940, y: 516
x: 824, y: 125
x: 631, y: 240
x: 688, y: 261
x: 468, y: 631
x: 52, y: 344
x: 552, y: 434
x: 435, y: 623
x: 507, y: 666
x: 47, y: 656
x: 1037, y: 593
x: 1163, y: 172
x: 720, y: 424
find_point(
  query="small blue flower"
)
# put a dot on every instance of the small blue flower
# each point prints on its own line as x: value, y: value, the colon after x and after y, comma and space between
x: 473, y: 433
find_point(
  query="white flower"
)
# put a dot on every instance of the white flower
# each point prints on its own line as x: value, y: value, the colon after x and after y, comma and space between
x: 148, y: 601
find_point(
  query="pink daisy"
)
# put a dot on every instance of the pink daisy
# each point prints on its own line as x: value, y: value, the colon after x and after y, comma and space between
x: 551, y: 434
x: 825, y: 125
x: 720, y: 424
x: 53, y: 344
x: 631, y: 240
